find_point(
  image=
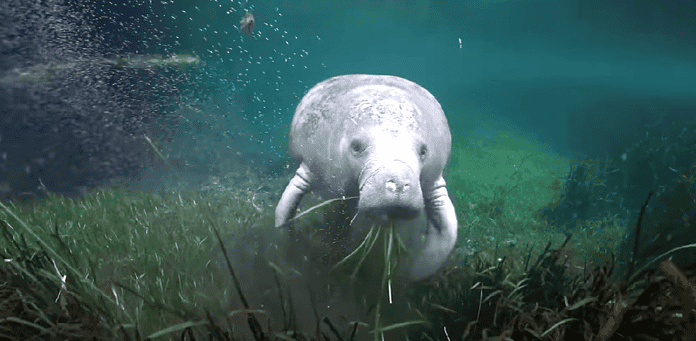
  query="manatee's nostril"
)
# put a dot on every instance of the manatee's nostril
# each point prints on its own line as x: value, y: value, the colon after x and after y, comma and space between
x: 393, y: 186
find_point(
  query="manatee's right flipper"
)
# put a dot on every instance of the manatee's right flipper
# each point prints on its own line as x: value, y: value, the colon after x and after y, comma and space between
x: 299, y: 185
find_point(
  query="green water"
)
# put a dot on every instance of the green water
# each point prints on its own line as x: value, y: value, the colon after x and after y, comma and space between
x: 187, y: 116
x: 563, y: 73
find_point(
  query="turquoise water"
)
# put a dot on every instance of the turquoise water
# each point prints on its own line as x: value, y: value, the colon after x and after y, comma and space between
x: 560, y: 111
x: 81, y: 93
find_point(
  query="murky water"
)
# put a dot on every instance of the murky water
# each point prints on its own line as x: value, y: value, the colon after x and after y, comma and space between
x: 83, y: 82
x: 156, y: 94
x: 84, y: 85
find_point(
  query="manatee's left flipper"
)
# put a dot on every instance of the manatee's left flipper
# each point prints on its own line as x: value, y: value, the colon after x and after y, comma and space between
x: 299, y: 185
x: 441, y: 233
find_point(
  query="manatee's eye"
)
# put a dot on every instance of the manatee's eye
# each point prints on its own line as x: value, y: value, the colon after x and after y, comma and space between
x: 357, y: 147
x: 423, y: 151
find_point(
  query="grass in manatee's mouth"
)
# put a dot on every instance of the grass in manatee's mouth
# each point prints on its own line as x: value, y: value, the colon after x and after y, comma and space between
x: 390, y: 256
x: 393, y: 251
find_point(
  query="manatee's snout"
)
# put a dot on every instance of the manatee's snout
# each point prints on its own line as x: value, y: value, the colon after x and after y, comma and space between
x: 391, y: 190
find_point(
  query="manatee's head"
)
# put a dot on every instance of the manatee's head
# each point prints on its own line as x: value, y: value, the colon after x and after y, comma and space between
x: 396, y: 148
x: 382, y: 138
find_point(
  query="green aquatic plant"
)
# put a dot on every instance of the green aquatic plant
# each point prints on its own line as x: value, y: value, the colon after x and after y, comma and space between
x: 140, y: 263
x: 393, y: 252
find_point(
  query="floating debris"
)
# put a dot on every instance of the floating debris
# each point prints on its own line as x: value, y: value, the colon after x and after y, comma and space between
x: 247, y: 23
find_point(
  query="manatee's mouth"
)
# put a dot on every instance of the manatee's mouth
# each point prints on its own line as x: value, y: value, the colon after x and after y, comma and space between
x: 392, y: 212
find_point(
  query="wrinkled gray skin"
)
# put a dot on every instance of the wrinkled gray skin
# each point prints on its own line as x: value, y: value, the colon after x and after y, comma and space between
x: 386, y: 140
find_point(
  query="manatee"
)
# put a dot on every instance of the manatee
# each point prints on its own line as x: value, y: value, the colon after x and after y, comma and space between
x: 385, y: 140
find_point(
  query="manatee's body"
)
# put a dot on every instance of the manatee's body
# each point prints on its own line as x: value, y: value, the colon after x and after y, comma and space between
x: 385, y: 140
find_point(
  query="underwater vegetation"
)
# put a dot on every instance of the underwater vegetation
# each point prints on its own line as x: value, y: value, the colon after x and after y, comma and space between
x: 121, y: 265
x: 660, y: 155
x: 209, y: 264
x: 661, y: 161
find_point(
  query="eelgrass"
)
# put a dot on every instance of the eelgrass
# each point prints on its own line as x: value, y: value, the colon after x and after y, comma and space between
x: 142, y: 227
x: 156, y: 241
x: 393, y: 253
x: 508, y: 308
x: 75, y: 298
x: 136, y: 259
x: 394, y: 249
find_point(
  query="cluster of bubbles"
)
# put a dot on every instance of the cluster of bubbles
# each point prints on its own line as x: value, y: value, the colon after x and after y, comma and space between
x: 91, y: 91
